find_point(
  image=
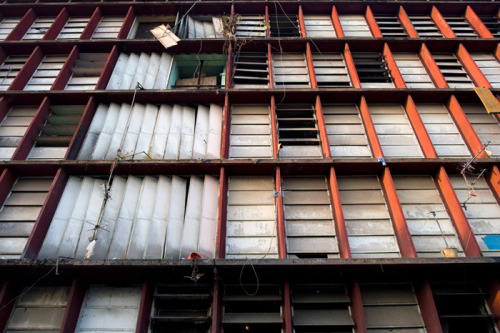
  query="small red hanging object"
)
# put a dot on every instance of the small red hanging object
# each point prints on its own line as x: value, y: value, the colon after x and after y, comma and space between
x: 194, y: 255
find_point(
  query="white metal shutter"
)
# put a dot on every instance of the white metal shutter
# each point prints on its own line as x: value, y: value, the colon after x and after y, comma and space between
x: 290, y: 71
x: 7, y: 25
x: 86, y: 71
x: 109, y: 309
x: 250, y: 132
x: 150, y: 70
x: 412, y: 70
x: 324, y: 308
x: 354, y: 26
x: 460, y: 26
x: 108, y: 27
x: 330, y: 70
x: 156, y: 132
x: 390, y: 26
x: 38, y: 28
x: 482, y: 211
x: 10, y: 68
x: 425, y: 26
x: 442, y: 130
x: 429, y: 224
x: 73, y: 27
x: 57, y: 132
x: 394, y: 131
x: 319, y: 26
x: 452, y: 70
x: 490, y: 67
x: 251, y: 70
x: 251, y: 218
x: 201, y: 27
x: 19, y: 213
x: 46, y: 73
x: 40, y: 309
x: 251, y: 26
x: 485, y: 125
x: 372, y: 70
x: 391, y: 308
x: 367, y: 218
x: 346, y: 133
x: 12, y: 129
x: 147, y: 218
x: 309, y: 224
x: 298, y: 132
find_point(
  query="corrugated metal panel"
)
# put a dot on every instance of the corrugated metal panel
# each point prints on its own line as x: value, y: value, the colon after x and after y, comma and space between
x: 19, y: 213
x: 12, y: 129
x: 251, y: 218
x: 250, y: 132
x: 442, y: 130
x: 39, y: 309
x: 490, y: 67
x: 391, y: 308
x: 284, y: 25
x: 57, y: 132
x: 142, y: 220
x: 109, y: 309
x: 485, y: 125
x: 157, y: 132
x: 38, y: 28
x: 321, y: 308
x: 460, y: 26
x: 46, y: 73
x: 290, y: 71
x: 251, y: 70
x: 429, y: 224
x: 182, y: 308
x: 259, y: 311
x: 86, y: 71
x: 354, y: 26
x: 7, y: 25
x: 201, y: 27
x: 367, y: 218
x: 330, y: 70
x: 390, y: 26
x: 73, y: 28
x: 150, y: 70
x: 309, y: 224
x: 425, y: 26
x: 298, y: 132
x: 319, y: 26
x: 394, y: 131
x: 452, y: 70
x: 412, y: 70
x: 108, y: 27
x: 251, y: 26
x: 345, y: 130
x: 482, y: 211
x: 10, y: 68
x: 372, y: 70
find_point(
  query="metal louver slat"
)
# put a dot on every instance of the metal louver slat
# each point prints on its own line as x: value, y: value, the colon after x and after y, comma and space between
x: 73, y: 28
x: 46, y: 73
x: 413, y: 71
x: 38, y: 28
x: 86, y: 71
x: 390, y: 26
x: 284, y: 25
x: 354, y: 26
x: 290, y: 71
x: 492, y: 23
x: 251, y: 26
x: 7, y: 25
x: 452, y: 70
x: 319, y: 26
x: 485, y: 125
x: 425, y: 26
x: 108, y: 27
x: 460, y: 26
x: 372, y: 70
x: 490, y: 66
x: 12, y: 129
x: 330, y: 70
x: 251, y: 70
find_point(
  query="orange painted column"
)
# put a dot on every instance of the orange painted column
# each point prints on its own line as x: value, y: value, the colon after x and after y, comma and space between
x: 340, y: 228
x: 493, y: 180
x: 370, y: 129
x: 419, y: 129
x: 274, y: 128
x: 471, y: 68
x: 494, y: 302
x: 287, y: 308
x: 336, y: 23
x: 406, y: 22
x: 405, y: 242
x: 497, y: 52
x: 145, y: 307
x: 477, y: 24
x: 220, y: 241
x: 432, y: 68
x: 428, y: 308
x: 441, y: 23
x: 393, y: 67
x: 280, y: 217
x: 310, y: 66
x: 229, y: 67
x: 468, y: 134
x: 270, y: 62
x: 226, y: 128
x: 351, y: 67
x: 325, y: 145
x: 268, y: 25
x: 372, y: 23
x: 127, y: 24
x: 454, y: 209
x: 301, y: 23
x: 358, y: 314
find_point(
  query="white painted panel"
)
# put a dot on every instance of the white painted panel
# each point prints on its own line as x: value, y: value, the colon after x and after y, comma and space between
x: 159, y: 143
x: 116, y: 78
x: 142, y: 67
x: 174, y: 134
x: 214, y: 132
x: 208, y: 224
x: 201, y: 133
x: 96, y: 127
x: 148, y: 81
x: 164, y: 71
x: 133, y: 130
x: 119, y: 130
x: 146, y: 133
x: 129, y: 72
x: 104, y: 139
x: 176, y: 218
x: 187, y: 133
x: 158, y: 227
x: 192, y: 219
